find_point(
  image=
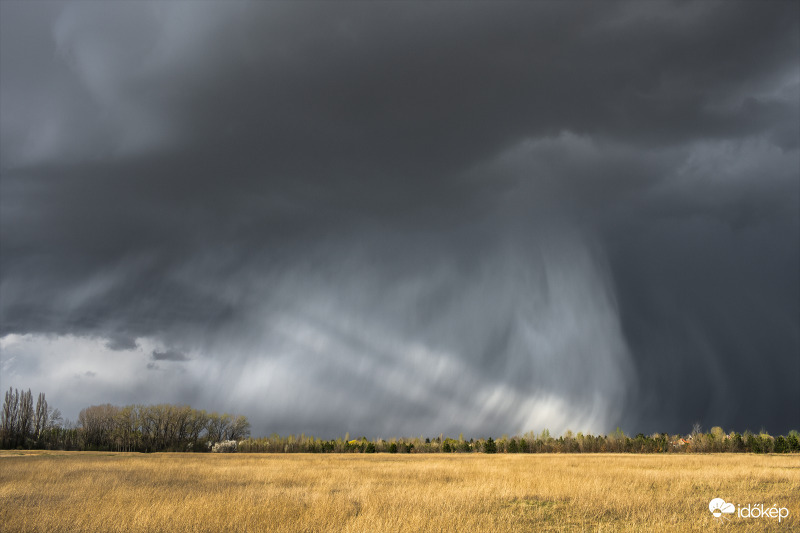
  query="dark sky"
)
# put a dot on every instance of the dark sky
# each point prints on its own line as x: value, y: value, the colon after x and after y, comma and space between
x: 405, y: 218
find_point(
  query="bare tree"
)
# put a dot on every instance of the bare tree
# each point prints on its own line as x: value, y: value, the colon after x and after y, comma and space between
x: 97, y: 424
x: 40, y: 417
x: 239, y: 429
x: 54, y: 418
x: 9, y: 417
x: 25, y: 417
x: 217, y: 426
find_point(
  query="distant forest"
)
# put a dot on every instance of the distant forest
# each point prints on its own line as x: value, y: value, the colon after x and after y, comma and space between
x: 176, y: 428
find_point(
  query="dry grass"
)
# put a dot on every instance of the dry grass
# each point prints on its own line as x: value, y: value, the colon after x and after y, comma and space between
x: 62, y: 491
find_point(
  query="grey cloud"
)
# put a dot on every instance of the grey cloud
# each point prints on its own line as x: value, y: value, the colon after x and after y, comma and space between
x: 169, y: 355
x: 556, y: 201
x: 121, y: 343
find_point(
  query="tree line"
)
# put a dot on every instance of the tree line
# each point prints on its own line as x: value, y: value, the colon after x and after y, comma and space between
x: 132, y: 428
x: 715, y: 441
x: 180, y: 428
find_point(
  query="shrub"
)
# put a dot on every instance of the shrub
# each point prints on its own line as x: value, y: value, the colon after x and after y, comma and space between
x: 226, y: 446
x: 752, y: 443
x: 793, y: 441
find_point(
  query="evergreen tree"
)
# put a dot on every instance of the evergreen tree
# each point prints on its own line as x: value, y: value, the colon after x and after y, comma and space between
x: 490, y: 446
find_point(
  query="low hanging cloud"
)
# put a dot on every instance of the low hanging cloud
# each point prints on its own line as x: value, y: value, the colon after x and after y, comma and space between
x: 403, y: 218
x: 169, y: 355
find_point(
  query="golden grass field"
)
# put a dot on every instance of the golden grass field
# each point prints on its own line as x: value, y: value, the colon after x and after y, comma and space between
x: 84, y: 491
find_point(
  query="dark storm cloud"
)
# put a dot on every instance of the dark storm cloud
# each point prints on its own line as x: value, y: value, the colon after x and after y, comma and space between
x: 549, y: 202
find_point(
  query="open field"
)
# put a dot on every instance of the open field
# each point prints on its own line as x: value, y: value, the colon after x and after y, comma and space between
x: 84, y: 491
